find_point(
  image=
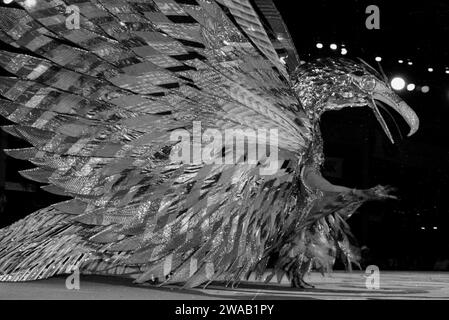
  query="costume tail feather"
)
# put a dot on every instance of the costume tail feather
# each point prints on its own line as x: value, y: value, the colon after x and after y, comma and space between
x: 42, y: 245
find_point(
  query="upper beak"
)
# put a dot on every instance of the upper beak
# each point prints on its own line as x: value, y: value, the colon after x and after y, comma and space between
x: 386, y: 95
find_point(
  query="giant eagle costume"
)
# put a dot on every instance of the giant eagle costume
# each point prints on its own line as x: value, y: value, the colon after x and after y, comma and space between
x: 102, y: 89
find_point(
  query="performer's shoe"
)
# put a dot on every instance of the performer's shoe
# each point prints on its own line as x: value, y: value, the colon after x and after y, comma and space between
x: 298, y: 282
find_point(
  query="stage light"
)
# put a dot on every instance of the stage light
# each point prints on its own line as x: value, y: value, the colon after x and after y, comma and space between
x: 398, y: 83
x: 344, y: 51
x: 411, y: 87
x: 319, y: 45
x: 7, y: 1
x: 435, y: 228
x: 410, y: 63
x: 430, y: 69
x: 333, y: 46
x: 423, y: 228
x: 378, y: 59
x: 447, y: 71
x: 425, y: 89
x: 401, y: 61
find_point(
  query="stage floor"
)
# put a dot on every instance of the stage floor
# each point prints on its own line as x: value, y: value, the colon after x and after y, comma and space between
x: 339, y: 285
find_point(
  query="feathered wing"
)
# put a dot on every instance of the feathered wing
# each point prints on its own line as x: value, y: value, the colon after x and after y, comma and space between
x: 100, y: 103
x: 278, y: 33
x: 317, y: 239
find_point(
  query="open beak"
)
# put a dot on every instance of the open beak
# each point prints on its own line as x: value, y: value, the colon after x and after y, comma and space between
x: 386, y: 95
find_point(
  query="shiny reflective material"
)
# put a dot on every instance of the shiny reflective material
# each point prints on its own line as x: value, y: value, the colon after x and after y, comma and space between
x: 99, y: 106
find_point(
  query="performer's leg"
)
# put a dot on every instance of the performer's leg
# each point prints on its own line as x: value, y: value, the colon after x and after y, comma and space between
x: 298, y: 273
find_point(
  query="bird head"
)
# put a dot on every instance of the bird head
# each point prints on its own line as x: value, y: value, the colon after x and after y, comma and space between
x: 334, y: 84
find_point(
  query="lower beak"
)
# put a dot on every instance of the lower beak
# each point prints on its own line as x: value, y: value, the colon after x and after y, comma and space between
x: 390, y: 98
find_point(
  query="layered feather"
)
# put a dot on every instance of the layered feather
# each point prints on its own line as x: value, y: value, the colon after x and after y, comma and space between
x: 99, y: 104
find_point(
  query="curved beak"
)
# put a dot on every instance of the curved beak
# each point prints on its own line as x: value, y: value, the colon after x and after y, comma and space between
x: 386, y: 95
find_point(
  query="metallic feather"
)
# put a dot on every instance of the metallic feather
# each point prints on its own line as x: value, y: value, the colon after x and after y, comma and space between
x: 99, y: 104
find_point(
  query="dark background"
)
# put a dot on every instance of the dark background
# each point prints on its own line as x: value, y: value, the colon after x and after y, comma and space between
x: 409, y: 234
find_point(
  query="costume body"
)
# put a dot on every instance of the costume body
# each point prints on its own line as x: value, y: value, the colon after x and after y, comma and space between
x: 106, y: 108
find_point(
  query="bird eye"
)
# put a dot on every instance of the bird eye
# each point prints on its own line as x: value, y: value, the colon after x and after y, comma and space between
x: 368, y: 83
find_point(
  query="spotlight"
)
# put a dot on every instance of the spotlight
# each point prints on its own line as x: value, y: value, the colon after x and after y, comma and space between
x: 425, y: 89
x: 344, y: 51
x: 7, y: 1
x: 447, y: 71
x: 410, y: 63
x: 378, y: 59
x: 333, y: 46
x: 423, y: 228
x: 430, y: 69
x: 401, y: 61
x: 411, y: 87
x: 398, y: 83
x: 435, y: 228
x: 319, y: 45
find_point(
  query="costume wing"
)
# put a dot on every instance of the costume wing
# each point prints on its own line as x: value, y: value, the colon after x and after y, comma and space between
x: 98, y: 89
x: 278, y: 33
